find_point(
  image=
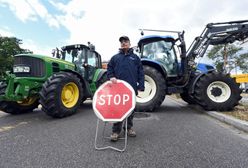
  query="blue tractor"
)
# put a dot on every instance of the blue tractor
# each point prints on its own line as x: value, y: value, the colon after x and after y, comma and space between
x: 169, y: 68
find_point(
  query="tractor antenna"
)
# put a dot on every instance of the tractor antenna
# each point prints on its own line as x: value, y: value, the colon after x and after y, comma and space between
x: 154, y: 30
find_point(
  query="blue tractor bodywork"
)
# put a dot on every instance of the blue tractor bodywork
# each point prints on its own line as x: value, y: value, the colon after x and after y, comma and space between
x: 169, y: 68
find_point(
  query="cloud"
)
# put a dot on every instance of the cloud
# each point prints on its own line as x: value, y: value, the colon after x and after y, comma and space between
x: 91, y: 21
x: 30, y: 10
x: 22, y: 9
x: 42, y: 12
x: 6, y: 32
x: 102, y: 22
x: 36, y: 47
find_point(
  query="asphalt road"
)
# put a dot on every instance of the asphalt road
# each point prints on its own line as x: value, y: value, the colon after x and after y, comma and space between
x: 174, y: 136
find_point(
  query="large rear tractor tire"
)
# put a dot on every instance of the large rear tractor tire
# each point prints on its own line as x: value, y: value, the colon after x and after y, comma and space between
x: 61, y: 95
x: 19, y: 107
x: 217, y: 91
x: 155, y: 91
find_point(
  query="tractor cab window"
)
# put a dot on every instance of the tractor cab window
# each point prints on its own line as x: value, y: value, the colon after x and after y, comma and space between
x: 92, y: 59
x: 79, y: 60
x: 73, y: 55
x: 93, y: 64
x: 162, y: 52
x: 76, y: 56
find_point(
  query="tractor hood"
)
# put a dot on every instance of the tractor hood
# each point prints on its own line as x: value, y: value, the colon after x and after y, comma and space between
x: 33, y: 65
x: 46, y: 59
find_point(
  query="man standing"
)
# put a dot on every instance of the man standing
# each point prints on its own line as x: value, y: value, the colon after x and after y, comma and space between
x: 126, y: 66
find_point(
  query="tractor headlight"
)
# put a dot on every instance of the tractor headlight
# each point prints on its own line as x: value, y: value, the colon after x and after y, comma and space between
x: 21, y: 69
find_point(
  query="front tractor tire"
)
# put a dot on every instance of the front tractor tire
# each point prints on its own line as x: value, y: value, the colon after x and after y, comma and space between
x: 61, y: 95
x: 155, y: 91
x: 187, y: 97
x: 217, y: 91
x: 19, y: 107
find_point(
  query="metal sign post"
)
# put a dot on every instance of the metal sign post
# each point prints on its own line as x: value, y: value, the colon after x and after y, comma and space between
x: 113, y: 103
x: 104, y: 137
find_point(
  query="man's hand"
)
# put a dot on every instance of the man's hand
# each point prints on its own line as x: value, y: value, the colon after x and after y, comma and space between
x: 113, y: 80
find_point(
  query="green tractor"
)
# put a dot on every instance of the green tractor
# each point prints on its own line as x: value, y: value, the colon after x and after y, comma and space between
x: 60, y: 83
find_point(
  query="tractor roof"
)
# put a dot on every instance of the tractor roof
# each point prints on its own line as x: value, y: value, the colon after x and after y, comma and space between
x: 78, y: 46
x: 74, y: 46
x: 152, y: 38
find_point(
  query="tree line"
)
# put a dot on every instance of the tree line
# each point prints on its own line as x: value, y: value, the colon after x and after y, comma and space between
x: 9, y: 46
x: 229, y: 57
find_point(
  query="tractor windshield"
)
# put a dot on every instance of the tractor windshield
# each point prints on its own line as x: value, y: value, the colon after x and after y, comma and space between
x: 162, y: 52
x: 74, y: 55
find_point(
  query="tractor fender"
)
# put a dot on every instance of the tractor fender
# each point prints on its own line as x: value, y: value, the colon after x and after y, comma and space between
x: 101, y: 74
x: 85, y: 84
x: 155, y: 65
x: 196, y: 78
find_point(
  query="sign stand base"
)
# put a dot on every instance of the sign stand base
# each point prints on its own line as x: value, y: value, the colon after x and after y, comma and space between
x: 103, y: 137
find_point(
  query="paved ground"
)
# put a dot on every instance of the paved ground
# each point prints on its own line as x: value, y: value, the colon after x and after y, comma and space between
x: 174, y: 136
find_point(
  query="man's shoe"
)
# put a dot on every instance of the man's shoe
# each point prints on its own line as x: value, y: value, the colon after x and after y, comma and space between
x: 131, y: 133
x: 114, y: 137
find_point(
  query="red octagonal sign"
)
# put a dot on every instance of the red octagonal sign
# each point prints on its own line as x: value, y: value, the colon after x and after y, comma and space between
x: 114, y: 102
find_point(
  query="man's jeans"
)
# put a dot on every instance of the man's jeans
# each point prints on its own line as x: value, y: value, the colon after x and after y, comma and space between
x: 117, y: 126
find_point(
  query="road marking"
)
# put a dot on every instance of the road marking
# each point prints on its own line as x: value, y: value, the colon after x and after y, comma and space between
x: 10, y: 127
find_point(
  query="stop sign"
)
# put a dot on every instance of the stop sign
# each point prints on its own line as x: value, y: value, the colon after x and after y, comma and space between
x: 114, y: 102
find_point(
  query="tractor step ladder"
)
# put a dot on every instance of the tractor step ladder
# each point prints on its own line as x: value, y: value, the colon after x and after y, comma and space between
x: 104, y: 137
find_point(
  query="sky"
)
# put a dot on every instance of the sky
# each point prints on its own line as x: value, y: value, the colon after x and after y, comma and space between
x: 43, y: 25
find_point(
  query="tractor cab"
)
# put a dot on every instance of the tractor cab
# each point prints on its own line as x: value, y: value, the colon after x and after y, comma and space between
x: 85, y: 58
x: 160, y: 50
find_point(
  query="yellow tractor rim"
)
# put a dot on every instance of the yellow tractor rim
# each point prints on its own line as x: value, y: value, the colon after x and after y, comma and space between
x: 70, y: 95
x: 27, y: 102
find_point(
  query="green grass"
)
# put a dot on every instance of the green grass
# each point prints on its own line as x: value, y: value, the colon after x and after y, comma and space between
x: 240, y: 111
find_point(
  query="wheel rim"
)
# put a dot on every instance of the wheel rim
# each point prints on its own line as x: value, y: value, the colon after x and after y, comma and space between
x: 27, y: 102
x: 149, y: 92
x: 70, y: 95
x: 219, y: 91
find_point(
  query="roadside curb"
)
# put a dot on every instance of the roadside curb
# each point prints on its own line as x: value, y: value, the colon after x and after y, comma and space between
x: 237, y: 123
x: 240, y: 124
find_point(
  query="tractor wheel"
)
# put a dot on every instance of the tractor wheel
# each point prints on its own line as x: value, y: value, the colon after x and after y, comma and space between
x: 154, y: 93
x: 61, y: 95
x: 217, y: 91
x: 187, y: 98
x: 19, y: 107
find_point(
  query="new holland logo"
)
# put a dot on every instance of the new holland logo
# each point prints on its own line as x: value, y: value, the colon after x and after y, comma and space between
x: 232, y: 29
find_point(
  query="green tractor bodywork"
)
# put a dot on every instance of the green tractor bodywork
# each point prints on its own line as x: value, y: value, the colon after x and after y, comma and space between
x: 25, y: 83
x: 59, y: 84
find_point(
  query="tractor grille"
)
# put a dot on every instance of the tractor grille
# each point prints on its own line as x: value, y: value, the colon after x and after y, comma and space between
x: 37, y: 66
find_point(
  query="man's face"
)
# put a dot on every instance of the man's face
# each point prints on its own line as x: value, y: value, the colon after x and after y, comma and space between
x: 125, y: 44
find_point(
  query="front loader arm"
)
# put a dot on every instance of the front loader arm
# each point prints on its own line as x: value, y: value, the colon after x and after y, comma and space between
x: 218, y: 33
